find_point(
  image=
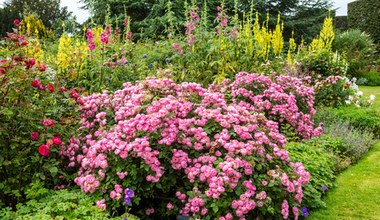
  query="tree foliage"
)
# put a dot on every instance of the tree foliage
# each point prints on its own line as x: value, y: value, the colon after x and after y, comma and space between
x: 154, y: 18
x: 364, y: 15
x: 49, y: 11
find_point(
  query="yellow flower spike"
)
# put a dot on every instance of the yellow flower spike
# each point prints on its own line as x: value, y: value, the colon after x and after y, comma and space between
x: 327, y: 33
x: 277, y: 38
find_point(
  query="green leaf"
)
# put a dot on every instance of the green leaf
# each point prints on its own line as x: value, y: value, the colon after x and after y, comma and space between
x: 7, y: 112
x: 53, y: 171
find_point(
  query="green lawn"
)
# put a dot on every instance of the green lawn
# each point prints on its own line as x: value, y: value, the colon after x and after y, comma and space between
x: 357, y: 195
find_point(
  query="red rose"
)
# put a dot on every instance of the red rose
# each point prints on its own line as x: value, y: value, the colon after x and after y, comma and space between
x: 34, y: 136
x: 48, y: 123
x: 2, y: 71
x: 50, y: 88
x: 30, y: 63
x: 74, y: 94
x: 42, y: 67
x: 57, y: 141
x: 16, y: 22
x: 44, y: 150
x: 36, y: 83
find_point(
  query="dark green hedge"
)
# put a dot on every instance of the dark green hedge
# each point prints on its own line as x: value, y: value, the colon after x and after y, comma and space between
x: 6, y: 21
x: 341, y: 23
x: 365, y: 15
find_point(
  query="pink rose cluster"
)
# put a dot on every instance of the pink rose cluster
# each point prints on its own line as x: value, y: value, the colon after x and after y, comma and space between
x: 228, y: 151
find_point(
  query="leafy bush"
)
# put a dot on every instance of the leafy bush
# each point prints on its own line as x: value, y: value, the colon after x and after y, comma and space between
x: 358, y: 48
x: 323, y: 63
x: 35, y: 119
x: 56, y: 204
x: 372, y: 78
x: 320, y: 163
x: 347, y: 135
x: 194, y: 151
x: 333, y: 91
x: 361, y: 15
x: 356, y: 117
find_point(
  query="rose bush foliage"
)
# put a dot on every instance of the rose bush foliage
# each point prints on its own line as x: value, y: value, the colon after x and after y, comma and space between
x: 35, y: 118
x: 199, y: 152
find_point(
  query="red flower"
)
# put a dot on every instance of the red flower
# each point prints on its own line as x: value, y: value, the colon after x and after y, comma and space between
x: 2, y: 71
x: 30, y: 63
x: 50, y: 88
x: 104, y: 38
x: 16, y: 22
x: 42, y: 67
x: 44, y: 150
x: 62, y: 89
x: 80, y: 102
x: 48, y: 123
x: 36, y: 83
x: 74, y: 94
x: 57, y: 141
x: 34, y: 136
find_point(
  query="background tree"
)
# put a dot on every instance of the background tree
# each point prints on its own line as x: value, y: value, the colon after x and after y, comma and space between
x: 49, y: 11
x: 6, y: 20
x: 153, y: 17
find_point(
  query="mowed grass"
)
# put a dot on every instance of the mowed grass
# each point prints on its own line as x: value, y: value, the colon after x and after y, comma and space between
x: 372, y: 90
x: 357, y: 195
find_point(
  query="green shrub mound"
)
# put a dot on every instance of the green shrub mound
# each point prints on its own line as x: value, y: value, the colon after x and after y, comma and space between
x: 360, y: 118
x: 56, y: 204
x: 321, y: 164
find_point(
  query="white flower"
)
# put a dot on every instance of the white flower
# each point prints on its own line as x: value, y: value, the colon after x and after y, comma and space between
x: 360, y: 93
x: 372, y: 97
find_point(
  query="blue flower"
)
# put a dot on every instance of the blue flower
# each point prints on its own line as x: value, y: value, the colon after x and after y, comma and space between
x: 125, y: 218
x: 127, y: 200
x: 129, y: 193
x: 325, y: 188
x: 167, y: 60
x: 150, y: 66
x: 145, y: 55
x: 304, y: 211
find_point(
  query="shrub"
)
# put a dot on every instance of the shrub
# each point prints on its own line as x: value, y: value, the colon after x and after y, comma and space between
x: 56, y: 204
x: 35, y: 120
x: 347, y: 136
x: 361, y: 15
x: 360, y: 118
x: 323, y: 63
x: 333, y: 91
x: 321, y: 164
x: 372, y: 78
x: 180, y: 148
x: 358, y: 48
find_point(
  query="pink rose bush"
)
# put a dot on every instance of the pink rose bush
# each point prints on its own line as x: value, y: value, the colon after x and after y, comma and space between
x: 183, y: 149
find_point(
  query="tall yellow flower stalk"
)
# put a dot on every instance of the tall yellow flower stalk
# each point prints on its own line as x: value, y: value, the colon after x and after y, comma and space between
x: 292, y: 48
x: 325, y: 38
x: 262, y: 38
x: 64, y: 52
x: 71, y: 54
x: 277, y: 38
x: 327, y: 33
